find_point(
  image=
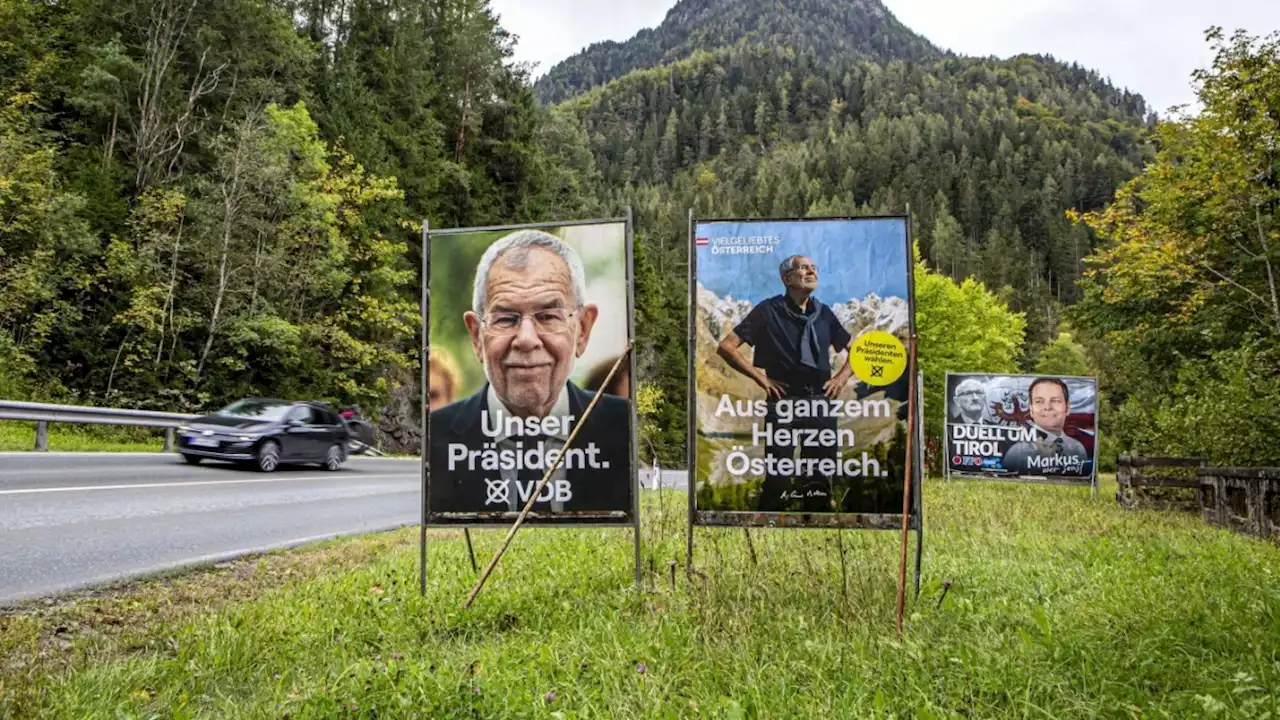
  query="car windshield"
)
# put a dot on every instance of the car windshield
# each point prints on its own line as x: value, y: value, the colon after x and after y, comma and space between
x: 264, y: 410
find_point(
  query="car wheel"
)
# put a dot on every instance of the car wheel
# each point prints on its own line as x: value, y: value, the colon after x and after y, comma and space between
x: 269, y: 456
x: 193, y: 459
x: 334, y: 458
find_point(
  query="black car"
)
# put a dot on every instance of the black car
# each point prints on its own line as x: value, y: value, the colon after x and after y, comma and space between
x: 267, y: 433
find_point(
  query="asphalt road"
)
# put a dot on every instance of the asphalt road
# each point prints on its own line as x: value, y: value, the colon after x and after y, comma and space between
x: 74, y: 520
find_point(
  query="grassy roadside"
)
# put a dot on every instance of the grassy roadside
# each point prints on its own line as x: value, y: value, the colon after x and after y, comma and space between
x: 1059, y: 606
x: 21, y: 436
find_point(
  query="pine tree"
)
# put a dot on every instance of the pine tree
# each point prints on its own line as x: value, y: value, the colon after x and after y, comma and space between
x: 706, y: 138
x: 668, y: 159
x: 722, y: 131
x: 762, y: 123
x: 948, y: 243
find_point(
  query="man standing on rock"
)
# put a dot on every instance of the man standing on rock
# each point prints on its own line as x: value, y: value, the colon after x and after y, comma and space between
x: 792, y: 334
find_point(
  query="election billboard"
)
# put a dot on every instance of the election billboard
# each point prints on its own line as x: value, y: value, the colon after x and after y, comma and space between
x: 1034, y: 426
x: 525, y: 324
x: 799, y: 371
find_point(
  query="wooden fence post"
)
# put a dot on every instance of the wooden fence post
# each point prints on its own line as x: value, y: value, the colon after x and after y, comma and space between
x: 1244, y: 500
x: 1270, y: 502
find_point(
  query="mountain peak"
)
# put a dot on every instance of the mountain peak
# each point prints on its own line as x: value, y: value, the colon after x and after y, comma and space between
x: 826, y: 27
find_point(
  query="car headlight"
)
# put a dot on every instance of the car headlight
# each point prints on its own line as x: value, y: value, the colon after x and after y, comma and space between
x: 247, y: 438
x: 184, y: 429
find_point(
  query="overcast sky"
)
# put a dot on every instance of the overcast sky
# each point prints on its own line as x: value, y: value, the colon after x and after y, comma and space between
x: 1148, y: 46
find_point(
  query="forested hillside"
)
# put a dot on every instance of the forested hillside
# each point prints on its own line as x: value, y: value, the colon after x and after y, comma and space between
x: 840, y: 28
x: 200, y: 200
x: 990, y: 155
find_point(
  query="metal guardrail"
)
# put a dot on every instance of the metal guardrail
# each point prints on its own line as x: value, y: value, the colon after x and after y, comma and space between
x: 43, y: 413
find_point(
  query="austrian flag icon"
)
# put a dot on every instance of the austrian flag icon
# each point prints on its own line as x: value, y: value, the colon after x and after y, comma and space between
x: 702, y: 241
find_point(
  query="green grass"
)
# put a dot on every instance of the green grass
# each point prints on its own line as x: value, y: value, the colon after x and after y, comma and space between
x: 20, y: 436
x: 1059, y: 606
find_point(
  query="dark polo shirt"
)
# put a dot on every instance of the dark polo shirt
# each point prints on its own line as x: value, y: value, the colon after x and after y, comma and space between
x: 775, y: 335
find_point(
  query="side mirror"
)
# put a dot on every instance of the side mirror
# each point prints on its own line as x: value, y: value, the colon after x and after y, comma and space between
x: 294, y: 422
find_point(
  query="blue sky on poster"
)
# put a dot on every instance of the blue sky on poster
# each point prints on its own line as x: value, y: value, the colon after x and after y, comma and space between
x: 1148, y: 46
x: 854, y: 258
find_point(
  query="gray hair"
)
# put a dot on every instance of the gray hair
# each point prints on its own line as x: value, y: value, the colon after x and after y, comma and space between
x: 520, y: 242
x: 968, y: 385
x: 788, y: 265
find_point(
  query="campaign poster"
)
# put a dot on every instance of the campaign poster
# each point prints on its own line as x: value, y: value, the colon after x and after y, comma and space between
x: 800, y: 376
x: 1022, y: 426
x: 525, y: 325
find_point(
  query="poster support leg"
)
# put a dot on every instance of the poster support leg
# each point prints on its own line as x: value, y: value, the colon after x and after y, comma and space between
x: 919, y: 473
x: 1097, y: 449
x: 633, y: 374
x: 912, y: 419
x: 422, y: 556
x: 946, y: 429
x: 471, y: 553
x: 919, y: 556
x: 907, y: 491
x: 691, y: 454
x: 636, y: 537
x: 424, y: 360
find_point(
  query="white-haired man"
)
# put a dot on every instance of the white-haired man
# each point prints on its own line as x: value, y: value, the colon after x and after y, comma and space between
x: 792, y: 334
x: 528, y: 323
x: 970, y: 402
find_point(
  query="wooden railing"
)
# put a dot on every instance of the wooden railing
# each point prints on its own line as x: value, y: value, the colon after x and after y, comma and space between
x: 1246, y: 500
x: 1162, y: 483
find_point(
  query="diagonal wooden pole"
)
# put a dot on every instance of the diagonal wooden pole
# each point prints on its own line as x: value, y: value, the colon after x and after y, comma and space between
x: 906, y: 490
x: 546, y: 477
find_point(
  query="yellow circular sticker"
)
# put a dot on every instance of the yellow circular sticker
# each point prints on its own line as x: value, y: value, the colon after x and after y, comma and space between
x: 878, y: 358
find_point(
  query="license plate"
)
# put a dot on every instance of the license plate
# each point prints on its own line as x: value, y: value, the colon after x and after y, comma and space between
x: 204, y: 442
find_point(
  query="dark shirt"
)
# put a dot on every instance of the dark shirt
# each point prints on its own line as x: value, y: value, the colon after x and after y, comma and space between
x: 463, y: 491
x: 775, y: 334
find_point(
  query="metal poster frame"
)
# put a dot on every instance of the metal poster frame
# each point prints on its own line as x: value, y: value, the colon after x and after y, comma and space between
x: 1090, y: 482
x: 466, y: 521
x: 946, y: 437
x: 918, y: 486
x: 747, y: 519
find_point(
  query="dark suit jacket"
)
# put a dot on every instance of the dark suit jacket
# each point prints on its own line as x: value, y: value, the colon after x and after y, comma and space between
x: 464, y: 491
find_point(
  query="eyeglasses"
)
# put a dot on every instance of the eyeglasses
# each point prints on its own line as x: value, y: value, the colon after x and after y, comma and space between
x: 806, y: 266
x: 552, y: 321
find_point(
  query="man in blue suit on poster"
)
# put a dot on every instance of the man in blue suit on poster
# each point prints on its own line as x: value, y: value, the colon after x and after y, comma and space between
x: 792, y: 334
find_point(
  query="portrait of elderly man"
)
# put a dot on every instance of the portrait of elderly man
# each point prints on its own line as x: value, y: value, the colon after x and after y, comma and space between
x: 1054, y: 450
x: 791, y: 334
x: 529, y: 322
x: 969, y: 402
